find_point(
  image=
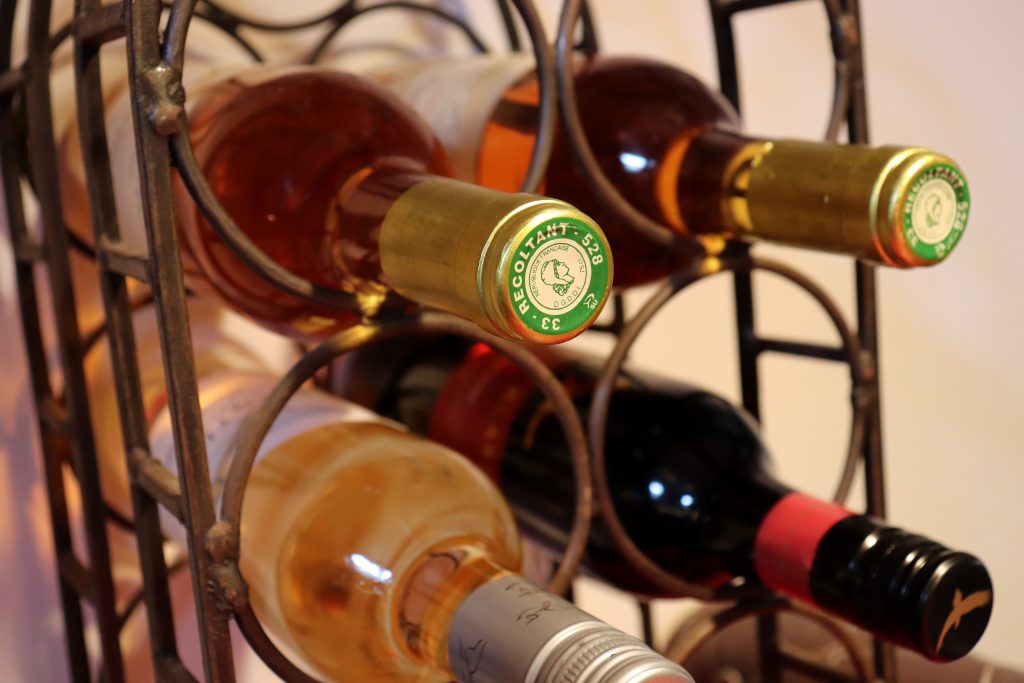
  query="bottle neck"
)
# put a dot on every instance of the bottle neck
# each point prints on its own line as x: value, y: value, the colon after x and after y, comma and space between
x: 700, y: 182
x: 508, y: 629
x: 897, y: 206
x: 902, y: 586
x: 521, y: 266
x: 433, y: 593
x: 353, y: 224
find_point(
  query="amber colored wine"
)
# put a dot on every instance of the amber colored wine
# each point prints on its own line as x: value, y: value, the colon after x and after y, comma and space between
x: 673, y: 149
x: 343, y: 185
x: 689, y: 480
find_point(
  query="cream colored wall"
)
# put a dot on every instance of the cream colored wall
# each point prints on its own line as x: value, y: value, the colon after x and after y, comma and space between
x: 941, y: 74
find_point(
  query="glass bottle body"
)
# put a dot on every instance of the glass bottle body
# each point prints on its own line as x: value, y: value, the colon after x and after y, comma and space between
x: 334, y: 548
x: 309, y: 163
x: 342, y: 184
x: 670, y: 146
x: 688, y: 477
x: 357, y: 562
x: 640, y: 148
x: 374, y: 554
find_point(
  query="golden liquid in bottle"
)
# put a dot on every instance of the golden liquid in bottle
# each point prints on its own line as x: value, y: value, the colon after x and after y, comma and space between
x: 351, y: 536
x: 671, y: 147
x: 640, y: 148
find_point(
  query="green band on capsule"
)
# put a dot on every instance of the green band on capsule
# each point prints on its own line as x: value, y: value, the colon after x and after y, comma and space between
x: 935, y: 211
x: 559, y: 276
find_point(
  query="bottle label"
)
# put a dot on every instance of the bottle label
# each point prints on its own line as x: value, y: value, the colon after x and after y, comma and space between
x: 935, y: 211
x: 227, y: 399
x: 456, y: 97
x: 787, y: 542
x: 509, y: 629
x: 559, y: 275
x: 476, y: 406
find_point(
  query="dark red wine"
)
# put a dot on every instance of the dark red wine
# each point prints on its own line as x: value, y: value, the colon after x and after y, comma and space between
x: 689, y: 481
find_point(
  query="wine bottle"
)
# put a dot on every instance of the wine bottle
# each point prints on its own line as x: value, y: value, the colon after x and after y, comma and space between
x: 342, y: 184
x: 689, y: 480
x: 378, y: 555
x: 672, y: 148
x: 370, y: 553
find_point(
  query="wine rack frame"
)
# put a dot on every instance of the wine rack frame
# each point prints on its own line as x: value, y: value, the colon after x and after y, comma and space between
x: 155, y: 55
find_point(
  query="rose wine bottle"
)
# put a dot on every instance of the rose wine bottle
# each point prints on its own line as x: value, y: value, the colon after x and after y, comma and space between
x: 342, y: 184
x: 690, y: 482
x: 673, y: 149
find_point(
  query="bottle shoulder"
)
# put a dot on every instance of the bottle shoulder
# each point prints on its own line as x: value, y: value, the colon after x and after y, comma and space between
x: 641, y: 84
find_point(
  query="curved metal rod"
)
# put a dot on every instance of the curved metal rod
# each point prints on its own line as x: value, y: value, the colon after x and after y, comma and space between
x: 256, y: 426
x: 548, y: 101
x: 509, y: 22
x: 588, y: 32
x: 345, y: 7
x: 695, y: 633
x: 219, y: 219
x: 584, y: 155
x: 176, y: 33
x: 178, y: 21
x: 841, y: 88
x: 601, y: 401
x: 343, y: 18
x: 240, y: 244
x: 840, y: 102
x: 262, y: 645
x: 136, y: 599
x: 226, y: 24
x: 546, y: 82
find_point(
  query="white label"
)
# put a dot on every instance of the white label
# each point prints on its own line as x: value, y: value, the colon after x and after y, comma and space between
x: 227, y: 399
x: 934, y: 211
x: 456, y: 97
x: 197, y: 77
x: 557, y: 274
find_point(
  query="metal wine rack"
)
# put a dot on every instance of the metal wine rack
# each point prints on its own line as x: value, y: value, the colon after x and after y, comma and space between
x: 155, y: 36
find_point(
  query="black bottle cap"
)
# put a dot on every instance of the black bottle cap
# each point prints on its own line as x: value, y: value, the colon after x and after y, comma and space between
x: 904, y: 587
x: 955, y: 606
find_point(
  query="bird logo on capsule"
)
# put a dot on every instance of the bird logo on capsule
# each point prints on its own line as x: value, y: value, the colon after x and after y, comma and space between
x: 962, y: 607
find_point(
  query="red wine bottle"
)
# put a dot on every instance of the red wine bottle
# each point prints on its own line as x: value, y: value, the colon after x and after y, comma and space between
x: 690, y: 483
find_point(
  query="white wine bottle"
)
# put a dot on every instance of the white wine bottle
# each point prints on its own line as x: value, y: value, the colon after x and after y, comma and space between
x: 374, y: 554
x: 673, y: 148
x: 371, y: 554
